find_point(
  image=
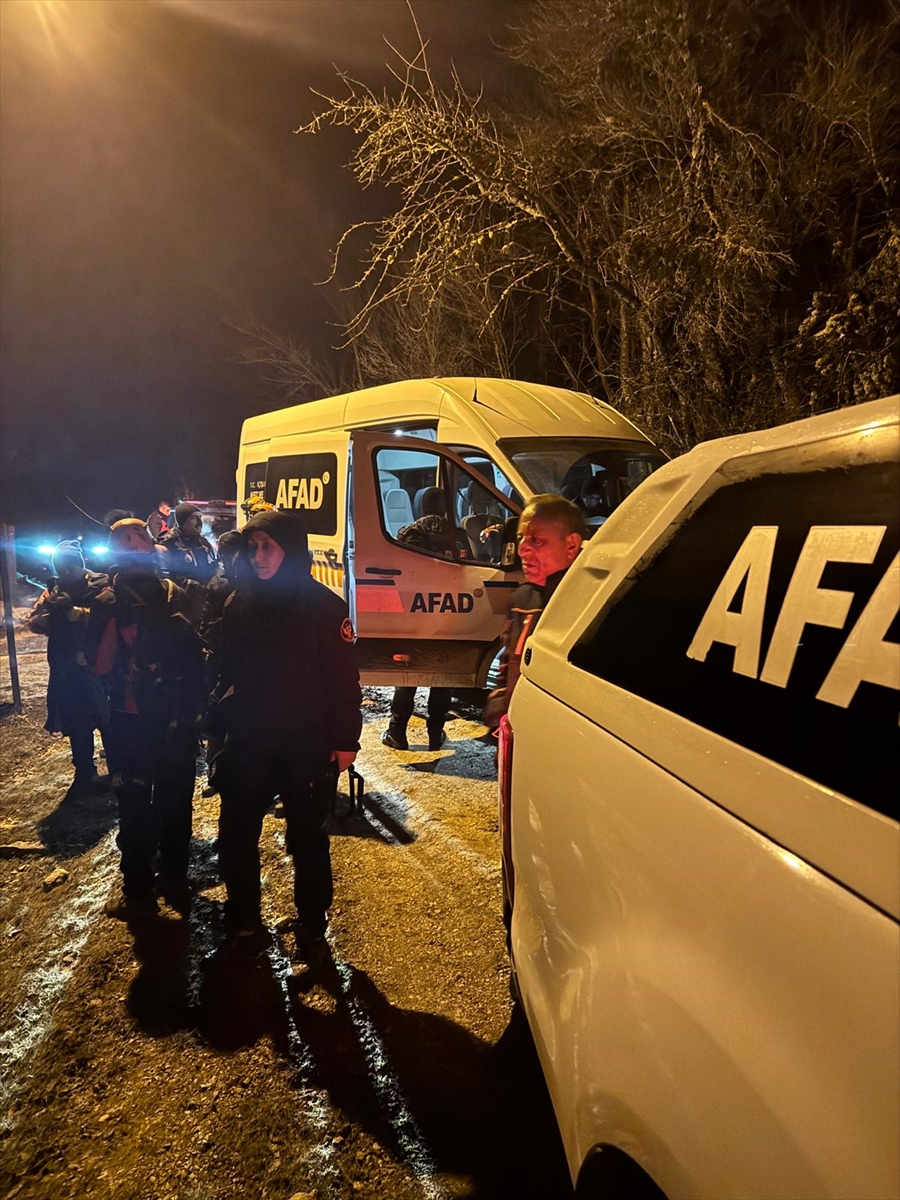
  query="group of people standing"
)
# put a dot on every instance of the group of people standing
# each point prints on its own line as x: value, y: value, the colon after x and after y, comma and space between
x: 244, y: 647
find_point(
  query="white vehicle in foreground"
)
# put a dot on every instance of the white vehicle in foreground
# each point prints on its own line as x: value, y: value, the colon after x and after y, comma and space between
x: 698, y: 802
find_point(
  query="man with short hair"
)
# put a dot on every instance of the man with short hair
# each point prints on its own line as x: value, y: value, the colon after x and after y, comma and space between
x: 550, y: 534
x: 161, y: 518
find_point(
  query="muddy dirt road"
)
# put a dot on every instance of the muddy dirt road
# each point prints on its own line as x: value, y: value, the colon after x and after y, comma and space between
x: 149, y: 1063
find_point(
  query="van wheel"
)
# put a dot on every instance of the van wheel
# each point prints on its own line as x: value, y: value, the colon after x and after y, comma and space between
x: 609, y: 1174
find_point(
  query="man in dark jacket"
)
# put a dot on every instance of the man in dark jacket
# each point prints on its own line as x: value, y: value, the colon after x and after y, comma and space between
x: 550, y: 533
x: 290, y: 681
x: 188, y: 554
x: 141, y: 643
x: 76, y: 701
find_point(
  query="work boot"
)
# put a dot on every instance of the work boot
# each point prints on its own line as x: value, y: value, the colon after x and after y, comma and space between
x: 436, y: 736
x: 176, y: 891
x: 395, y: 737
x: 87, y: 782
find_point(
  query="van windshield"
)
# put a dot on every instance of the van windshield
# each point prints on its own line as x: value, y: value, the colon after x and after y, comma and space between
x: 595, y: 473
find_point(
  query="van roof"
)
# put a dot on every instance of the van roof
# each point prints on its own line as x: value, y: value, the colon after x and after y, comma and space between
x: 501, y: 407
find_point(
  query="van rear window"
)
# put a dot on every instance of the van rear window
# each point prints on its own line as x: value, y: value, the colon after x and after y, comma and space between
x: 771, y: 618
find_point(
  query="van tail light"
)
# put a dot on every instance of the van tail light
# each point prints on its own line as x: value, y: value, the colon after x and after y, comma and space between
x: 504, y: 781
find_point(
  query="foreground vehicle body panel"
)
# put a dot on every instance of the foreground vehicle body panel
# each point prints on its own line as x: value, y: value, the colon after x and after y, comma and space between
x: 707, y: 877
x: 641, y: 898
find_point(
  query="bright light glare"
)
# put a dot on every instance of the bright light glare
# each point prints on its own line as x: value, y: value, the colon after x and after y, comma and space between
x: 45, y: 549
x: 99, y: 549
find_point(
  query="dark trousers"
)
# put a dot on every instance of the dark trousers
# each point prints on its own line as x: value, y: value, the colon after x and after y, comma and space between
x: 439, y: 699
x: 81, y: 739
x: 153, y: 773
x: 249, y: 780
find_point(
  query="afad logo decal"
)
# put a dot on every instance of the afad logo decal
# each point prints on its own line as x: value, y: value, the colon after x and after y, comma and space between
x: 865, y: 657
x: 347, y: 632
x: 301, y: 493
x: 442, y: 602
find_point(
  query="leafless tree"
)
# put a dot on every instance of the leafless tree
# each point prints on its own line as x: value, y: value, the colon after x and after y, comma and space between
x: 698, y: 220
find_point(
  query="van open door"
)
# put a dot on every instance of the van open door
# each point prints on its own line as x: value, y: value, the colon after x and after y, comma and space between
x: 427, y: 594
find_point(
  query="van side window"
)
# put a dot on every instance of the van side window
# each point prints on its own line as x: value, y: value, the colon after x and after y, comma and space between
x: 728, y: 624
x: 430, y: 504
x: 481, y: 464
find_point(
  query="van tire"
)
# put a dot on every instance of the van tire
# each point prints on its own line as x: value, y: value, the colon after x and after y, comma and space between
x: 609, y: 1174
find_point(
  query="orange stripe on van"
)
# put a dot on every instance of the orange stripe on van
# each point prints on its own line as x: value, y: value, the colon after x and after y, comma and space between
x: 378, y: 599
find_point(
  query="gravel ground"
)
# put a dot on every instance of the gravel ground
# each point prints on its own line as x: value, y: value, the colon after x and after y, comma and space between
x: 150, y: 1062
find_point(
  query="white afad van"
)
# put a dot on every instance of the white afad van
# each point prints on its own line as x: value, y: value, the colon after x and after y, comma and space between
x: 699, y: 801
x: 360, y: 466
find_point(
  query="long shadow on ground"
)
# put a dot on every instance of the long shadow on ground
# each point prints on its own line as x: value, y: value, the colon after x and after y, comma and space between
x: 418, y: 1081
x: 78, y: 822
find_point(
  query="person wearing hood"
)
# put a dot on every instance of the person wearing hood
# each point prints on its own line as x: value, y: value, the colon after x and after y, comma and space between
x: 291, y: 686
x: 141, y: 643
x: 76, y: 701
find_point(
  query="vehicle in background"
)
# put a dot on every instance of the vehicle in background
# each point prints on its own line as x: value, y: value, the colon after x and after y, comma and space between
x: 358, y: 466
x: 699, y: 793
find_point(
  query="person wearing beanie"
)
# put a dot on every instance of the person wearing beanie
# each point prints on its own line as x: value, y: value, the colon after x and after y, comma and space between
x: 289, y: 672
x: 189, y: 556
x: 143, y: 647
x: 76, y: 701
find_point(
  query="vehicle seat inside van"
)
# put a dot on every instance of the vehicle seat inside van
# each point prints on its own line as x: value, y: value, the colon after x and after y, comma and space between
x: 598, y: 496
x: 386, y: 481
x: 397, y: 510
x: 483, y: 510
x: 418, y: 511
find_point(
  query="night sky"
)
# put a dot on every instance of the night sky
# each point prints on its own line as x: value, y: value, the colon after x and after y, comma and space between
x: 153, y: 189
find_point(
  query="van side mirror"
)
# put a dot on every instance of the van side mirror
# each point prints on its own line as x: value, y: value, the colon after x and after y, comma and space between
x: 509, y: 552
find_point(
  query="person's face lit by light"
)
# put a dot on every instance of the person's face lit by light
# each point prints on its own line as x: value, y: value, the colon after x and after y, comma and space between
x: 266, y: 556
x: 545, y: 547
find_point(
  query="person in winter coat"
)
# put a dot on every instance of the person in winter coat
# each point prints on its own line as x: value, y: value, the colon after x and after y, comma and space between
x: 160, y: 520
x: 432, y: 530
x: 550, y: 533
x: 76, y: 701
x: 142, y: 644
x: 290, y: 681
x: 189, y: 556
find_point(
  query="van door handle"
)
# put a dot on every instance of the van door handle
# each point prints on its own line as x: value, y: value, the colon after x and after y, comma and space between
x: 383, y: 571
